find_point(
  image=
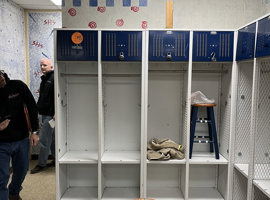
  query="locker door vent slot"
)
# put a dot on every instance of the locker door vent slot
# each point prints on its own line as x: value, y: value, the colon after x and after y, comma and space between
x: 168, y: 45
x: 121, y: 45
x: 213, y: 46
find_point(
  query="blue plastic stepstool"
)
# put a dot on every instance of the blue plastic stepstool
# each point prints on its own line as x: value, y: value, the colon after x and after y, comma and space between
x: 210, y: 120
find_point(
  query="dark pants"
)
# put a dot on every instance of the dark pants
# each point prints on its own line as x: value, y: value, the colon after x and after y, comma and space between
x: 19, y: 154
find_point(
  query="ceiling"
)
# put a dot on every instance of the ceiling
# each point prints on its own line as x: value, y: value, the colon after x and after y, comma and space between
x: 37, y: 4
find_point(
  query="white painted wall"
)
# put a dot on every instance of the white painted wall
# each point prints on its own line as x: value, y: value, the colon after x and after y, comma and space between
x: 187, y: 14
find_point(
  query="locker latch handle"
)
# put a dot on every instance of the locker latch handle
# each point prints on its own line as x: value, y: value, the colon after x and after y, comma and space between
x: 121, y: 56
x: 169, y: 56
x: 213, y: 56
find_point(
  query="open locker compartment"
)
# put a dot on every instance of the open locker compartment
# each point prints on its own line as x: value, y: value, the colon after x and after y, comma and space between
x: 261, y: 165
x: 120, y: 150
x: 242, y: 125
x: 79, y: 181
x: 165, y: 181
x: 259, y: 194
x: 213, y: 79
x: 77, y: 129
x: 166, y: 115
x: 167, y: 82
x: 121, y: 86
x: 240, y: 183
x: 120, y: 181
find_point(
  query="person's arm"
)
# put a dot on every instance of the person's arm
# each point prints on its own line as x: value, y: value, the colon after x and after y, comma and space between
x: 33, y: 114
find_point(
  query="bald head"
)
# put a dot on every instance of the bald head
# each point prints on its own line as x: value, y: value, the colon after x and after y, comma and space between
x: 46, y: 66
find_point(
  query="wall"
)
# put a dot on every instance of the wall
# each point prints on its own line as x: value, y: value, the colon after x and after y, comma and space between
x: 40, y: 41
x: 12, y: 40
x: 141, y: 14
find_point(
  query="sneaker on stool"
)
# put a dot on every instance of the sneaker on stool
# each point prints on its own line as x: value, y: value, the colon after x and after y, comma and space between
x: 37, y: 169
x: 14, y: 197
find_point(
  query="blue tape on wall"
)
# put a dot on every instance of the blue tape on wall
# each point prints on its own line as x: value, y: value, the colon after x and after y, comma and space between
x: 143, y: 3
x: 126, y: 3
x: 263, y: 38
x: 63, y: 3
x: 85, y: 51
x: 168, y: 46
x: 110, y: 3
x: 246, y: 42
x: 93, y: 3
x: 121, y: 45
x: 77, y: 3
x: 213, y: 46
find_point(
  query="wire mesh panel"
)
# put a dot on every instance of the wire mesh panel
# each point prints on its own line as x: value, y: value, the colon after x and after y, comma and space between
x: 259, y: 195
x: 262, y: 136
x: 225, y: 110
x: 243, y: 115
x: 239, y: 186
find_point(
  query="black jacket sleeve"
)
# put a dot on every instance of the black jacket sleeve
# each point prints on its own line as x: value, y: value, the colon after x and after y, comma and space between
x: 31, y: 106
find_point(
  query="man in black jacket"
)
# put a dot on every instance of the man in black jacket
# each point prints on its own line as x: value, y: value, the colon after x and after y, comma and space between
x: 18, y: 117
x: 45, y: 106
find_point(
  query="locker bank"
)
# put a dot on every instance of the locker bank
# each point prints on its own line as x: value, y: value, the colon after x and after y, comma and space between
x: 127, y: 76
x: 116, y: 90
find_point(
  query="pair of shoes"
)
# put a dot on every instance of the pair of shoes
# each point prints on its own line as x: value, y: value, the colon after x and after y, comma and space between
x: 51, y: 164
x: 16, y: 197
x: 37, y: 169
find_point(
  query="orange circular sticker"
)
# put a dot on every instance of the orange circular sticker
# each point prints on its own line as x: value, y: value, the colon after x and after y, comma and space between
x: 77, y: 38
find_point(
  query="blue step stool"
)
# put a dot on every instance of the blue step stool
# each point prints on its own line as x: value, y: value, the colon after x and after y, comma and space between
x: 210, y: 120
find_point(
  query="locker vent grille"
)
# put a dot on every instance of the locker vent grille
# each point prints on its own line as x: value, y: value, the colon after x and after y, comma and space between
x: 110, y: 42
x: 201, y: 50
x: 224, y: 45
x: 133, y: 44
x: 159, y: 45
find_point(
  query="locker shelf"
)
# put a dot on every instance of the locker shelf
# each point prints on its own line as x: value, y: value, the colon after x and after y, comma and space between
x: 161, y: 193
x: 84, y: 157
x: 120, y: 193
x: 127, y: 157
x: 80, y: 193
x: 207, y: 158
x: 173, y: 161
x: 242, y: 168
x: 264, y: 186
x: 204, y: 194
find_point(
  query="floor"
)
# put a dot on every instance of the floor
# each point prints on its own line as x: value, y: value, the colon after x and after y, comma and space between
x: 40, y: 186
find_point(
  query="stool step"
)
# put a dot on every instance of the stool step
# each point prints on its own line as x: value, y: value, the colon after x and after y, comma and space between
x: 204, y: 120
x: 198, y: 136
x: 203, y: 141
